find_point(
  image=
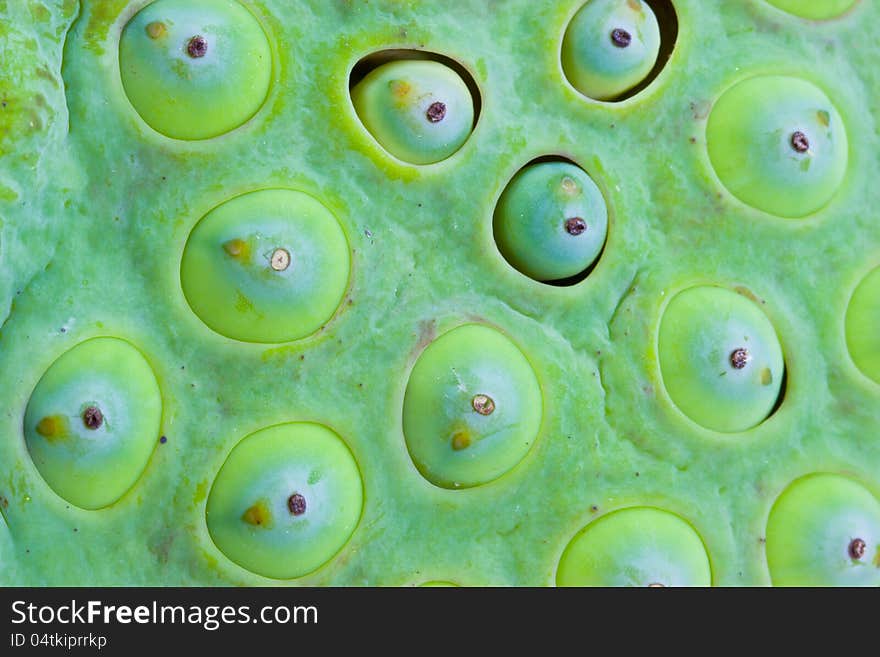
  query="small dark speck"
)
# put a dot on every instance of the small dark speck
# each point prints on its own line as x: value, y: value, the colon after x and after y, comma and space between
x: 594, y: 508
x: 762, y: 540
x: 163, y: 439
x: 693, y: 140
x: 4, y: 103
x: 302, y: 356
x: 611, y: 126
x: 420, y: 205
x: 164, y: 178
x: 63, y: 330
x: 183, y: 367
x: 75, y: 529
x: 637, y: 474
x: 360, y: 385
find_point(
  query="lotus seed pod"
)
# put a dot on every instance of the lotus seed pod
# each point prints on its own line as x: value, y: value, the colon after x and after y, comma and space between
x: 778, y: 144
x: 610, y: 46
x: 286, y: 500
x: 472, y: 408
x: 816, y: 10
x: 637, y: 546
x: 195, y: 69
x: 551, y: 221
x: 93, y: 421
x: 720, y: 358
x: 420, y: 111
x: 863, y: 326
x: 824, y: 530
x: 268, y: 266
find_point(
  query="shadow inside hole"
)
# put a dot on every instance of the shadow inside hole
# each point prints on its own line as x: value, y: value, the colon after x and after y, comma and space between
x: 667, y: 20
x: 781, y: 397
x: 577, y: 278
x: 377, y: 59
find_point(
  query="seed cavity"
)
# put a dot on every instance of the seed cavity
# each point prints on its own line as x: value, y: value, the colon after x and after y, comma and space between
x: 297, y: 504
x: 483, y: 404
x: 93, y: 418
x: 436, y: 112
x: 197, y: 47
x: 280, y: 259
x: 857, y: 548
x: 620, y: 37
x: 156, y: 29
x: 799, y: 142
x: 739, y: 358
x: 575, y: 226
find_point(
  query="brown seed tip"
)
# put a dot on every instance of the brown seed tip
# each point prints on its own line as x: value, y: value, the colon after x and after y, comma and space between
x: 93, y: 418
x: 739, y: 358
x: 575, y: 226
x: 857, y: 548
x: 436, y: 112
x: 156, y: 29
x: 197, y: 47
x: 280, y: 259
x: 297, y: 504
x: 620, y: 37
x: 483, y: 404
x: 799, y: 142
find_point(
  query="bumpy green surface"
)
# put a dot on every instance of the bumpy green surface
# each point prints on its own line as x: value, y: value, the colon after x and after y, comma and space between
x: 96, y: 208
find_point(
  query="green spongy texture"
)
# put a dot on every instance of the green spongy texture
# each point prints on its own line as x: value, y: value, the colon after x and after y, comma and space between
x: 96, y: 207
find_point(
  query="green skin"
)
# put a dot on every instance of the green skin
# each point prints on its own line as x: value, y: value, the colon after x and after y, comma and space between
x: 248, y: 512
x: 195, y: 97
x: 455, y: 441
x: 593, y: 63
x: 862, y: 320
x: 701, y: 331
x: 816, y: 10
x: 636, y: 547
x: 96, y: 210
x: 530, y: 221
x: 94, y: 467
x: 811, y: 528
x: 394, y: 101
x: 750, y: 135
x: 231, y: 282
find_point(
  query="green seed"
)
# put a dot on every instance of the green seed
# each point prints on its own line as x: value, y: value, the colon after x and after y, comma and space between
x: 610, y: 46
x: 638, y: 546
x: 419, y: 111
x: 195, y: 69
x: 453, y: 437
x: 816, y: 10
x: 93, y: 420
x: 720, y: 358
x: 551, y: 221
x: 286, y: 500
x: 863, y: 326
x: 268, y: 266
x: 824, y: 530
x: 778, y: 144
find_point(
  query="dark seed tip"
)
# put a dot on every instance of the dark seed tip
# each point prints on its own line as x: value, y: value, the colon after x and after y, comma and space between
x: 575, y: 226
x: 739, y: 358
x: 857, y: 548
x: 799, y: 142
x: 483, y: 404
x: 93, y: 418
x: 197, y: 46
x: 297, y: 504
x: 436, y: 112
x: 620, y: 37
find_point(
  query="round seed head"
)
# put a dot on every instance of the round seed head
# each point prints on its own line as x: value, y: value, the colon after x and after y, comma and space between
x: 483, y: 404
x: 93, y: 418
x: 857, y: 548
x: 620, y: 37
x: 280, y: 259
x: 197, y: 47
x: 575, y: 226
x: 297, y: 504
x: 436, y: 112
x: 739, y: 358
x: 799, y: 142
